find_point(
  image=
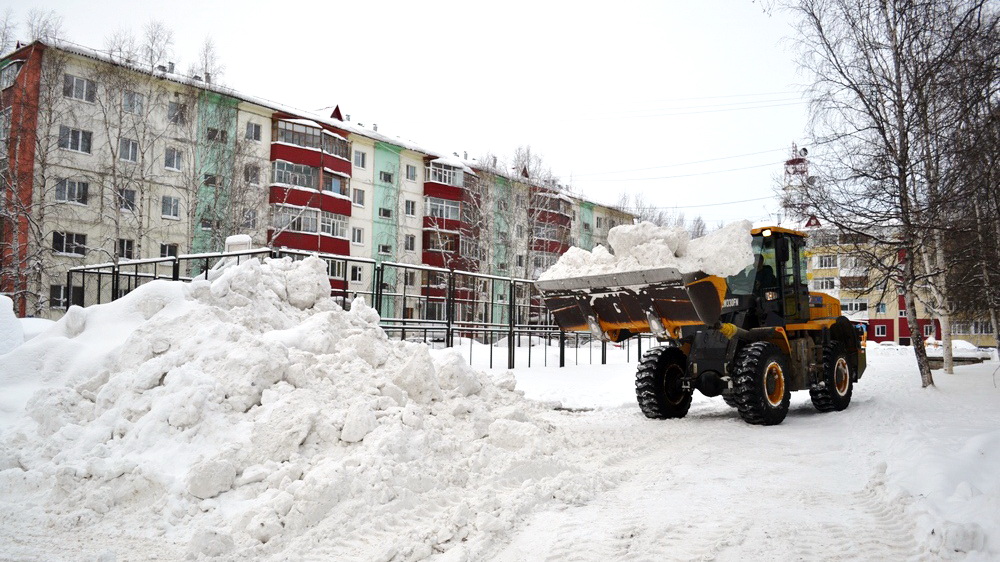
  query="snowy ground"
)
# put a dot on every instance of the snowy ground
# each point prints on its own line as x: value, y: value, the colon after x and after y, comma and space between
x: 167, y: 440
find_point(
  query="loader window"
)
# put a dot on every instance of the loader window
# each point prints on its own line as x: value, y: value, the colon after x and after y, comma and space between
x: 744, y: 282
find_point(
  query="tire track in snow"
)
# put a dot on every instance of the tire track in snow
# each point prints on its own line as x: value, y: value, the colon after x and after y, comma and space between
x: 709, y: 487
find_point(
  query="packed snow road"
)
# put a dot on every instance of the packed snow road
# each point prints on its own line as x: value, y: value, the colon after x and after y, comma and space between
x: 814, y: 488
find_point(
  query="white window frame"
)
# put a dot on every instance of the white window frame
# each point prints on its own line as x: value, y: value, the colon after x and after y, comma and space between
x: 825, y: 283
x: 75, y: 139
x: 411, y: 207
x: 126, y: 248
x: 385, y: 249
x: 290, y: 218
x: 128, y: 150
x: 357, y: 274
x: 410, y: 243
x: 165, y: 250
x: 253, y: 131
x: 411, y: 172
x: 170, y: 207
x: 384, y: 213
x: 126, y: 199
x: 251, y: 174
x: 173, y: 159
x: 333, y: 224
x: 72, y: 191
x: 928, y: 329
x: 357, y: 235
x: 827, y: 261
x: 132, y: 102
x: 880, y: 331
x: 360, y: 159
x: 358, y: 197
x: 76, y: 247
x: 177, y: 113
x: 78, y: 88
x: 443, y: 208
x: 385, y: 177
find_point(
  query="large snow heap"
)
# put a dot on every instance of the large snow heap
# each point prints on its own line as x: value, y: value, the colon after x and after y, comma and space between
x: 724, y: 252
x: 250, y: 415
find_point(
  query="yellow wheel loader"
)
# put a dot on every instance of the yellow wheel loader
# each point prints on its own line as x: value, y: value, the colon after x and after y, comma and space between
x: 752, y: 337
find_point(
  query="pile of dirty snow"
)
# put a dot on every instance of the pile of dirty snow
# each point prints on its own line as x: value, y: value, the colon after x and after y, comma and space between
x: 250, y: 416
x: 724, y: 252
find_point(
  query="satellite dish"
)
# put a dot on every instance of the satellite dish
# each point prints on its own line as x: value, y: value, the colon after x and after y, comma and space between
x: 803, y: 152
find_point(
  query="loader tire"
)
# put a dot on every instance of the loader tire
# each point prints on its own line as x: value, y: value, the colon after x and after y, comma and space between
x: 761, y: 389
x: 730, y: 399
x: 658, y: 384
x: 834, y: 389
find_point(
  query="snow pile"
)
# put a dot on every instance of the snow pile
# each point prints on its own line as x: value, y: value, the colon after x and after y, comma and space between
x: 250, y: 416
x: 11, y: 334
x: 959, y: 349
x: 724, y: 252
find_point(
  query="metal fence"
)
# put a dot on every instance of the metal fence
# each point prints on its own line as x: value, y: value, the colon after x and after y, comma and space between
x: 493, y: 315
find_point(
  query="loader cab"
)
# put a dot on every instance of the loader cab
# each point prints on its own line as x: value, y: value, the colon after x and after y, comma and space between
x: 777, y: 279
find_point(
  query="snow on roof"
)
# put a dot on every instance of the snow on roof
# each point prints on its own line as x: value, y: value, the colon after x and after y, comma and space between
x: 454, y: 162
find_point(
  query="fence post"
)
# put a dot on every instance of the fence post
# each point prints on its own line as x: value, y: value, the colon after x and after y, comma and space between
x: 69, y: 289
x: 115, y: 282
x: 377, y: 297
x: 604, y: 352
x: 562, y: 348
x: 449, y: 308
x: 511, y: 311
x: 176, y: 273
x: 638, y: 349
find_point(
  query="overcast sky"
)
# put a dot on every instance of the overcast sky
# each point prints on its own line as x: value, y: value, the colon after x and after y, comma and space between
x: 693, y: 104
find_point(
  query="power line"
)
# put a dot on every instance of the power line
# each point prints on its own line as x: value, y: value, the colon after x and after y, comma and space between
x: 714, y: 204
x: 691, y: 175
x: 677, y: 165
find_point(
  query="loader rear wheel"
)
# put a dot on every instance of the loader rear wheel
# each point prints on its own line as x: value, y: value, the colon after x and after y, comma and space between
x: 761, y: 390
x: 658, y: 384
x: 833, y: 393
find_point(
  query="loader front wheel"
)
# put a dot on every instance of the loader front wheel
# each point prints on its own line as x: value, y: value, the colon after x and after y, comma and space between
x: 761, y: 390
x: 833, y: 393
x: 658, y: 386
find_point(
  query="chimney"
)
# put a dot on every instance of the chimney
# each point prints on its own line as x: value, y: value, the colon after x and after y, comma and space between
x: 465, y: 155
x: 348, y: 116
x: 170, y: 67
x: 375, y: 127
x: 208, y: 77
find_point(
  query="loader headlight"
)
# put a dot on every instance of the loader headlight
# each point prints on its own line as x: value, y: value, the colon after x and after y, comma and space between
x: 771, y: 295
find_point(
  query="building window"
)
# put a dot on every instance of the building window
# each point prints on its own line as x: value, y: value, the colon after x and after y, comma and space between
x: 69, y: 243
x: 128, y: 150
x: 853, y: 305
x: 410, y: 243
x: 826, y: 262
x: 384, y: 213
x: 251, y: 174
x: 310, y: 137
x: 249, y: 218
x: 74, y: 139
x: 172, y: 159
x: 824, y: 283
x: 359, y: 159
x: 126, y: 248
x: 599, y: 221
x: 880, y: 331
x: 357, y: 235
x: 335, y: 184
x: 294, y: 174
x: 4, y: 132
x: 168, y: 250
x: 442, y: 208
x: 71, y: 191
x: 206, y: 224
x: 217, y: 135
x: 928, y: 329
x: 9, y: 74
x: 880, y: 308
x: 126, y: 199
x: 170, y: 207
x: 253, y: 131
x: 333, y: 224
x: 356, y: 273
x: 132, y: 102
x: 359, y: 197
x: 211, y: 180
x: 79, y: 88
x: 586, y: 227
x: 177, y: 113
x: 902, y: 313
x: 296, y: 219
x: 335, y: 268
x: 442, y: 173
x: 411, y: 172
x: 61, y: 296
x: 410, y: 278
x: 385, y: 177
x: 546, y: 232
x: 385, y: 249
x: 520, y: 261
x: 411, y: 207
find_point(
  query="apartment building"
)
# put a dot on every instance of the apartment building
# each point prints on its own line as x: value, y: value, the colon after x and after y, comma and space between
x: 105, y: 161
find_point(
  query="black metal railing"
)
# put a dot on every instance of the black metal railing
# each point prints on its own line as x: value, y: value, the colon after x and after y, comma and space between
x: 441, y: 307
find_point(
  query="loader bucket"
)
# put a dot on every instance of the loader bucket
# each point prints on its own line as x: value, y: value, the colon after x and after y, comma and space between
x: 616, y: 306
